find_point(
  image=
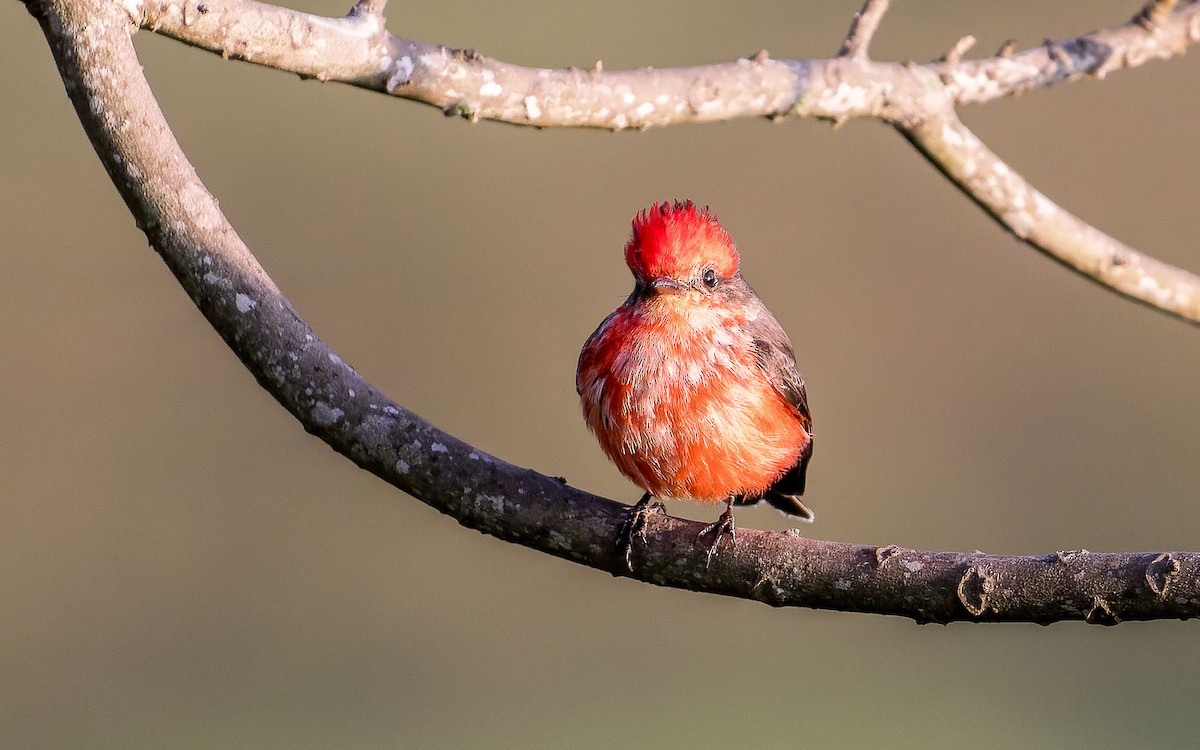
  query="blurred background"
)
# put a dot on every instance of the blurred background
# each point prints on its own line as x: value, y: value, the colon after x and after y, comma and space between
x: 183, y: 567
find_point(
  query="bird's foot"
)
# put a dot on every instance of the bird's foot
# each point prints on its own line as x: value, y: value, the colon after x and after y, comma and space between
x: 635, y: 526
x: 723, y: 525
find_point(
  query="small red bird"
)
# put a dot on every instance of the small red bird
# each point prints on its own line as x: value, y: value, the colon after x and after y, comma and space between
x: 691, y: 384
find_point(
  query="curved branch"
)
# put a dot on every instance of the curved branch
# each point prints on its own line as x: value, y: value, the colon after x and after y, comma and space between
x: 91, y: 41
x: 1046, y: 226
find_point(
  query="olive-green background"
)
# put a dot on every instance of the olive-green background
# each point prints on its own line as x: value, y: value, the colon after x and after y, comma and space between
x: 181, y: 566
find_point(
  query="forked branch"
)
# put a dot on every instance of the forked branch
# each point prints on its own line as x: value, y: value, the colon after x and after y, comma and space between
x: 359, y: 50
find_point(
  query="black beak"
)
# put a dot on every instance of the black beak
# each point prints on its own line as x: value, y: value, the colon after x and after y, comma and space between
x: 667, y: 285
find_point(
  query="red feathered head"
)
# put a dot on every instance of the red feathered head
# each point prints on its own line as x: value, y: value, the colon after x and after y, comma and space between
x: 679, y: 240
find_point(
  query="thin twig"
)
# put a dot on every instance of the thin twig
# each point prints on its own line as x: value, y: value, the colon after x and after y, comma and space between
x: 1154, y: 13
x: 368, y: 8
x: 960, y: 48
x: 862, y: 29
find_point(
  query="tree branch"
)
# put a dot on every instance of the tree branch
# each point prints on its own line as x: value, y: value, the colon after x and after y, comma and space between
x: 1154, y: 13
x: 862, y: 30
x: 358, y: 50
x: 1046, y: 226
x: 1096, y: 54
x: 919, y: 99
x: 92, y: 44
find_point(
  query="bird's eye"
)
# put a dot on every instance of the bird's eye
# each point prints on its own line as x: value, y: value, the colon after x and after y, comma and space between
x: 709, y: 278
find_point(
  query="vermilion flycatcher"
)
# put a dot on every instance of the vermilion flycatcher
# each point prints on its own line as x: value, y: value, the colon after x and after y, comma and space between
x: 691, y: 384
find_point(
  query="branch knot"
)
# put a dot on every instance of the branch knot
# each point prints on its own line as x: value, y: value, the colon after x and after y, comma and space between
x: 974, y: 588
x: 1160, y: 572
x: 1101, y: 613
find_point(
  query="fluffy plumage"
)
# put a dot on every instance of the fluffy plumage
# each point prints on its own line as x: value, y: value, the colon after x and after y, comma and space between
x: 691, y: 385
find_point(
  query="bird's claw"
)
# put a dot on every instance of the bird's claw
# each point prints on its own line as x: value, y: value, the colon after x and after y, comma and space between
x: 723, y: 525
x: 635, y: 526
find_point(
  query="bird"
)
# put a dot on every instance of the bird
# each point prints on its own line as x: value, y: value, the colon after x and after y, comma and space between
x: 691, y: 385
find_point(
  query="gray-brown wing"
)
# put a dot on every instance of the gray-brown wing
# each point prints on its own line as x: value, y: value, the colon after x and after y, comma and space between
x: 775, y: 356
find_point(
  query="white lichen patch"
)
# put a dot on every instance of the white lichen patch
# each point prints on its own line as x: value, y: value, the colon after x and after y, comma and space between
x: 644, y: 110
x: 402, y: 466
x: 1019, y: 220
x: 532, y: 110
x: 1185, y: 295
x: 847, y: 99
x: 951, y: 136
x: 244, y: 302
x: 439, y: 448
x: 491, y: 88
x: 215, y: 279
x: 913, y: 566
x: 968, y: 167
x: 982, y: 86
x: 325, y: 415
x: 402, y: 72
x: 405, y: 67
x: 133, y: 8
x: 359, y: 25
x: 1018, y: 200
x: 1153, y: 290
x: 495, y: 501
